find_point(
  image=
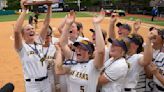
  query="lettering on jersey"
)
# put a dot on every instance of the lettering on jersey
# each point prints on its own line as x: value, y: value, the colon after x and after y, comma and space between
x: 79, y: 75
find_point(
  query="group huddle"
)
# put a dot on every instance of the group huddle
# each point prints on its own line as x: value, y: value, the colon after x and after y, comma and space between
x: 73, y: 63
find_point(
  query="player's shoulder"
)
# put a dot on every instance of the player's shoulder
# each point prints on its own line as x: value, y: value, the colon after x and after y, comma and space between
x: 139, y: 55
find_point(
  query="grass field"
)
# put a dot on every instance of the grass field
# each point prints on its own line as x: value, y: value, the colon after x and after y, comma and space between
x: 81, y: 14
x: 5, y: 18
x: 146, y: 20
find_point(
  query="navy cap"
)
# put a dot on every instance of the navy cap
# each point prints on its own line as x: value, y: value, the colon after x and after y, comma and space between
x: 119, y: 42
x: 119, y: 24
x: 86, y: 45
x: 136, y: 38
x: 125, y: 26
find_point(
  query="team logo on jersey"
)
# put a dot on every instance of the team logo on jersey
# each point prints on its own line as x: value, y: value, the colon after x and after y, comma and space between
x: 79, y: 75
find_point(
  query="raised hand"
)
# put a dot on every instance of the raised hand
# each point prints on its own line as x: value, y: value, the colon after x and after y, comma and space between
x: 70, y: 17
x: 22, y: 2
x: 99, y: 18
x: 152, y: 35
x: 136, y: 25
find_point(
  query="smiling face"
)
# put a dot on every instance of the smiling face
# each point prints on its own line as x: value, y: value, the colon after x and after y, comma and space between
x: 82, y: 54
x: 74, y: 31
x: 157, y: 40
x: 28, y: 33
x: 48, y: 39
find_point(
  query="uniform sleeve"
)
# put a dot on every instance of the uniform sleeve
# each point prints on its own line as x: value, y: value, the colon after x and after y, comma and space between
x: 113, y: 73
x: 107, y: 49
x: 22, y: 51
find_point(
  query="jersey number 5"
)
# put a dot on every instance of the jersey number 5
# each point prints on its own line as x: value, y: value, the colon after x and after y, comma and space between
x: 81, y: 88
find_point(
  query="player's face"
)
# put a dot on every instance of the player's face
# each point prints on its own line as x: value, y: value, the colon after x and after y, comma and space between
x: 157, y: 39
x: 28, y: 33
x: 115, y: 51
x: 73, y: 31
x: 123, y: 32
x: 82, y: 54
x: 48, y: 39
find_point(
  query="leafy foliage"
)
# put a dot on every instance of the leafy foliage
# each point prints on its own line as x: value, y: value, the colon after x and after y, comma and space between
x: 13, y: 4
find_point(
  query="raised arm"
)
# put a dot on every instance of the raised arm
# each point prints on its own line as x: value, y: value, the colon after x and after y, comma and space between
x: 148, y: 54
x: 59, y: 69
x: 18, y: 27
x: 136, y: 26
x: 44, y: 29
x: 111, y: 30
x: 148, y: 51
x: 100, y: 44
x: 65, y: 34
x: 61, y: 26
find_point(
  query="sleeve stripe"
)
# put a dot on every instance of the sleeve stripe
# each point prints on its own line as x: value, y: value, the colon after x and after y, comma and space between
x: 109, y: 77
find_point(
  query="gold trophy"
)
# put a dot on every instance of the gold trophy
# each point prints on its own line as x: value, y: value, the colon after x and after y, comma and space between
x: 40, y: 2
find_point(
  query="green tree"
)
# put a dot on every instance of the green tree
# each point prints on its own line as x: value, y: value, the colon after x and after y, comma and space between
x: 13, y: 4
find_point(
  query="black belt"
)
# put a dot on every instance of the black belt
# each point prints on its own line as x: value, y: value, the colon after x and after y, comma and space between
x: 39, y: 79
x: 129, y: 89
x: 159, y: 88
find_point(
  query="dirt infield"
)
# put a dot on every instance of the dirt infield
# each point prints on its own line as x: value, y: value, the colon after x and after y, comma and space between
x: 10, y: 66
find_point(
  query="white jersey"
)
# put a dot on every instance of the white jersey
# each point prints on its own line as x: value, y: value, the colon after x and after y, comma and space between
x: 107, y: 49
x: 55, y: 40
x: 32, y: 66
x: 83, y: 77
x: 115, y: 72
x: 144, y: 84
x: 49, y: 53
x: 159, y: 62
x: 63, y: 80
x: 133, y: 73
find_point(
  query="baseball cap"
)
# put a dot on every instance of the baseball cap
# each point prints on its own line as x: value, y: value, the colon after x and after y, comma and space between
x: 120, y: 42
x: 125, y: 26
x: 86, y: 45
x: 138, y: 40
x: 119, y: 24
x: 103, y: 32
